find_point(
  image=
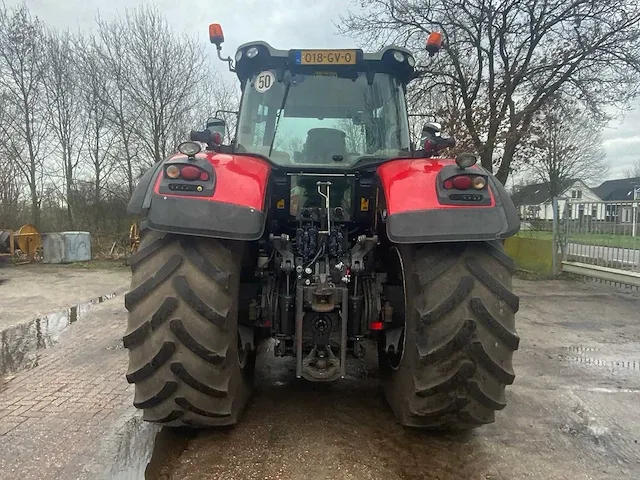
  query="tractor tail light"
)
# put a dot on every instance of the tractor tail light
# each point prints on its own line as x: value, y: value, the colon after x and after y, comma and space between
x: 190, y: 173
x: 186, y: 172
x: 465, y: 182
x: 462, y: 182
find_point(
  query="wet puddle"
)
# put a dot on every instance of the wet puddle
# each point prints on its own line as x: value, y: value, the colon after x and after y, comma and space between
x: 20, y: 346
x: 582, y: 326
x: 579, y: 357
x: 614, y: 364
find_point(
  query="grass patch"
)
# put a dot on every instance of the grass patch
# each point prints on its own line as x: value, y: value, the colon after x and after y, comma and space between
x: 599, y: 239
x: 98, y: 264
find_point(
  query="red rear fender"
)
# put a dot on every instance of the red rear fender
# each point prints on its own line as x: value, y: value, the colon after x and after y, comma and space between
x: 420, y: 210
x: 410, y: 184
x: 226, y: 201
x: 238, y: 180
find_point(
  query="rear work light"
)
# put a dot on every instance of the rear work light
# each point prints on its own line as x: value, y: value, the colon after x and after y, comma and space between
x: 465, y: 182
x: 173, y: 171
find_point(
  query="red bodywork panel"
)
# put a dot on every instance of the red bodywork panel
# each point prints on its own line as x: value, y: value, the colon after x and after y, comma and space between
x: 240, y: 180
x: 410, y: 184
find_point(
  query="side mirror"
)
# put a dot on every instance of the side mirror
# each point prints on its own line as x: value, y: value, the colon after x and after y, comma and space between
x: 447, y: 142
x: 432, y: 127
x: 433, y: 144
x: 212, y: 135
x: 217, y: 125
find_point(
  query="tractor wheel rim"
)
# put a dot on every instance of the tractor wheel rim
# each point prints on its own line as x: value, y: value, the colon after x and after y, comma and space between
x: 396, y: 358
x: 243, y: 355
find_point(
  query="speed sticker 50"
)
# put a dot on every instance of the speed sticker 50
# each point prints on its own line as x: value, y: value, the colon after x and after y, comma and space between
x: 264, y: 81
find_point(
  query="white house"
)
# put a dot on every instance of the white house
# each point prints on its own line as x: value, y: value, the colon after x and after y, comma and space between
x: 534, y: 202
x: 620, y: 195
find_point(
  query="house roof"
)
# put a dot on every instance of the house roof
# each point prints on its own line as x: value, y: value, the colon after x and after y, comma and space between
x: 538, y: 193
x: 617, y: 190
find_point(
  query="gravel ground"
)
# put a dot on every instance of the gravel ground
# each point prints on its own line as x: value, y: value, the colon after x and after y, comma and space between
x: 568, y: 414
x: 67, y: 411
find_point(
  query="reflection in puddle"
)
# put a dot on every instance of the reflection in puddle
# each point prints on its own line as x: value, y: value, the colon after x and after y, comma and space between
x: 135, y: 446
x: 20, y: 346
x: 170, y: 443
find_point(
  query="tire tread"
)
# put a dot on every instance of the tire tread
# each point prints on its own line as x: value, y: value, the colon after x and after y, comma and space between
x: 178, y: 340
x: 458, y: 363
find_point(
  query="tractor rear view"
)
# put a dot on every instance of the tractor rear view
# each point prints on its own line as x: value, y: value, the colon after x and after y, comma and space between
x: 321, y: 226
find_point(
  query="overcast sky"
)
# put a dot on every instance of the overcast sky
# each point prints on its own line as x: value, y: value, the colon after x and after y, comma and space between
x: 284, y: 24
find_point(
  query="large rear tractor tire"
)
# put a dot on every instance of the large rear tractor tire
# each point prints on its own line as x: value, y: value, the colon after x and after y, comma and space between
x: 454, y: 357
x: 185, y: 358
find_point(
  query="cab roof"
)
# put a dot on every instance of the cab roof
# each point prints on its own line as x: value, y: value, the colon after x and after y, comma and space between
x: 341, y: 61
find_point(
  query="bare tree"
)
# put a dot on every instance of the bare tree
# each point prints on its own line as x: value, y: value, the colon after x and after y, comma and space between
x: 218, y: 98
x: 566, y: 143
x: 100, y: 138
x: 81, y: 117
x: 506, y: 58
x: 633, y: 171
x: 22, y: 73
x: 62, y: 87
x: 165, y: 74
x: 9, y: 193
x: 110, y: 47
x: 9, y: 188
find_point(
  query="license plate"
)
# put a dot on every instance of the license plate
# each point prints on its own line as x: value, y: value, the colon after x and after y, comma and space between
x: 326, y: 57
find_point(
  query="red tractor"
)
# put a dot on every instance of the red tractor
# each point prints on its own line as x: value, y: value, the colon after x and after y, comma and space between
x: 323, y: 227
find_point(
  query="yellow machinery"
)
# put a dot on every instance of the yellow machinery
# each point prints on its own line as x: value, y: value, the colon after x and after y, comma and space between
x: 21, y: 246
x: 134, y: 238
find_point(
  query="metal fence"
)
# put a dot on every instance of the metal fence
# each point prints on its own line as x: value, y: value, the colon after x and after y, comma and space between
x: 601, y: 240
x: 598, y: 240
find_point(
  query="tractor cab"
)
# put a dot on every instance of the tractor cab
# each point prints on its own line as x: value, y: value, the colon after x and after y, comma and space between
x: 315, y: 109
x: 321, y: 111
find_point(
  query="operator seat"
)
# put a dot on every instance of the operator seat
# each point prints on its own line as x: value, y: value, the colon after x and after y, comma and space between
x: 323, y: 143
x: 321, y: 146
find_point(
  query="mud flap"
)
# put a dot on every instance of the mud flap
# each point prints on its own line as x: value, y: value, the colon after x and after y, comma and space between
x: 246, y: 336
